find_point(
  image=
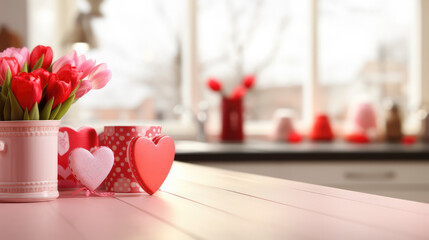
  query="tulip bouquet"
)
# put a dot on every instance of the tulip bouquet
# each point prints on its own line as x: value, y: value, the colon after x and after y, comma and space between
x: 238, y: 92
x: 34, y: 88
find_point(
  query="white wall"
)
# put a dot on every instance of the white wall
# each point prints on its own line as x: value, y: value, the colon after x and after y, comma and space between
x: 45, y: 22
x: 49, y: 23
x: 13, y: 14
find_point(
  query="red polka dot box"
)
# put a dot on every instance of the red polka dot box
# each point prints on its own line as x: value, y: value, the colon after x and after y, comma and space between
x: 117, y: 138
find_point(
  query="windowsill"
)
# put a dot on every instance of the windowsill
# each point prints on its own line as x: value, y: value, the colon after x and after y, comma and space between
x: 254, y: 130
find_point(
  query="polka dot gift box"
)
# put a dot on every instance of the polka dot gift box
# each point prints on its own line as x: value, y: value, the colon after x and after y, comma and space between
x: 117, y: 138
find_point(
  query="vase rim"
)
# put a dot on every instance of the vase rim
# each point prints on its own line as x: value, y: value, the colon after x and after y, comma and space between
x: 24, y: 123
x: 132, y: 126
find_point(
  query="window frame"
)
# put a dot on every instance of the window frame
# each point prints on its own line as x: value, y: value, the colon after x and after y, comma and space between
x: 419, y: 75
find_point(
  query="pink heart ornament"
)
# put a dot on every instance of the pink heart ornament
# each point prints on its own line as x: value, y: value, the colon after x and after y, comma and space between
x: 151, y: 160
x: 90, y: 169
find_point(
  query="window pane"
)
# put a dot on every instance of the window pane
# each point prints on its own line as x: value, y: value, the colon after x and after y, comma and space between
x: 266, y: 38
x: 139, y: 40
x: 364, y: 49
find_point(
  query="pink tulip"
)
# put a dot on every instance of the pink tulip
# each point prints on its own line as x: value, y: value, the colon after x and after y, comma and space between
x: 5, y: 64
x: 20, y: 54
x: 64, y: 60
x: 100, y: 76
x: 84, y: 87
x: 79, y: 62
x: 85, y: 66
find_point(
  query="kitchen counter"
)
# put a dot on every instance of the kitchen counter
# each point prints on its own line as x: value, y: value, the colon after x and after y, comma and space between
x: 393, y: 170
x: 206, y: 203
x: 190, y: 151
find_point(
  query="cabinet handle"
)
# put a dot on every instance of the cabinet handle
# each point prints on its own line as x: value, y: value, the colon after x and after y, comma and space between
x: 367, y: 176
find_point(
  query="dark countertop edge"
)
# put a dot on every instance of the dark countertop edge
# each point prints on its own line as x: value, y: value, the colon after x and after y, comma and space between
x: 305, y: 155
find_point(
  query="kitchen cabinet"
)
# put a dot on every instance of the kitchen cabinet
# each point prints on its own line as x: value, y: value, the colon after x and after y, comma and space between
x: 399, y: 179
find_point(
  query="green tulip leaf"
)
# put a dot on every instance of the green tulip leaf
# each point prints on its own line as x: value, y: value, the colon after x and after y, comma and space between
x: 39, y: 63
x: 26, y: 116
x: 16, y: 110
x: 46, y: 111
x: 3, y: 100
x: 6, y: 83
x: 25, y: 67
x: 55, y: 112
x: 50, y: 67
x: 75, y: 89
x: 34, y: 113
x: 6, y: 110
x: 65, y: 107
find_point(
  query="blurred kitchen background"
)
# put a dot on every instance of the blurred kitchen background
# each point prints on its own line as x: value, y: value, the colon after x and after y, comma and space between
x: 308, y: 57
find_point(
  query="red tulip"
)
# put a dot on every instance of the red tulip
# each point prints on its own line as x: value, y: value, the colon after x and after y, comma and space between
x: 69, y: 74
x: 249, y: 81
x: 43, y: 75
x: 238, y: 92
x: 27, y: 89
x: 214, y: 84
x: 5, y: 64
x: 37, y: 53
x: 59, y: 89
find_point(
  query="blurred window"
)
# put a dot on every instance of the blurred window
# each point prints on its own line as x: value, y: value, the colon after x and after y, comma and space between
x: 140, y: 42
x: 267, y: 39
x: 363, y: 50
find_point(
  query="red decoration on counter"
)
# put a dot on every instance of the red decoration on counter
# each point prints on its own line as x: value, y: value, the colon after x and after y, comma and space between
x: 357, y: 138
x: 214, y: 84
x: 294, y: 137
x: 238, y: 92
x: 361, y: 123
x: 151, y: 160
x: 249, y: 81
x: 365, y: 117
x: 407, y: 140
x: 283, y: 127
x: 68, y: 140
x: 322, y: 129
x: 232, y: 119
x: 232, y: 107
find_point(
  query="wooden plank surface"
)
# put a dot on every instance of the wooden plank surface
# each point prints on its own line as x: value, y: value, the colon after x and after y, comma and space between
x: 205, y: 203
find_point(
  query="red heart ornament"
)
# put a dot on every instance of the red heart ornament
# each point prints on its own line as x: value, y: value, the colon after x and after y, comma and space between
x: 151, y: 160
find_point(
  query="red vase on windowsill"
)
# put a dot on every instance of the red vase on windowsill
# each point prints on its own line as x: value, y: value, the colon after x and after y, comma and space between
x: 232, y: 119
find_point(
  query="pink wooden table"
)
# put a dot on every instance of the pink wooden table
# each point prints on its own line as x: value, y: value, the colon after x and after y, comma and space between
x: 206, y: 203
